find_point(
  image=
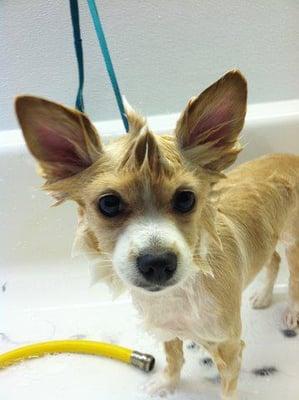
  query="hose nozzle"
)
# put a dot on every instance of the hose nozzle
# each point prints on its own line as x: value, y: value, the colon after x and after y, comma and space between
x: 143, y: 361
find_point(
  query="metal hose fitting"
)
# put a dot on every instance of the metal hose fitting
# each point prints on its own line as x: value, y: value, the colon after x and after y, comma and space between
x: 146, y: 362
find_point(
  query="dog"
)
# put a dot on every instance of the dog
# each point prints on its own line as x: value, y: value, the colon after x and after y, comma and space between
x: 168, y: 224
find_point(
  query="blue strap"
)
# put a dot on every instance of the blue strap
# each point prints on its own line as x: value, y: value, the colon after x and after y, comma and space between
x: 79, y: 52
x: 102, y: 41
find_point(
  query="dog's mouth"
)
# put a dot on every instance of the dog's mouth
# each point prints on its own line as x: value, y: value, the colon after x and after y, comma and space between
x: 153, y: 287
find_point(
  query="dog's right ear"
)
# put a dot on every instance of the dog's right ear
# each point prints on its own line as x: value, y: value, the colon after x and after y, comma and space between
x: 63, y: 140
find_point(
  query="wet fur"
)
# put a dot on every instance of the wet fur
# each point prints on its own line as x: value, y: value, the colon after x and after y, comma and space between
x: 231, y: 235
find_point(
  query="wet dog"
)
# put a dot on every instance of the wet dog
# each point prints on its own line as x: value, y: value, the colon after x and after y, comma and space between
x: 162, y: 219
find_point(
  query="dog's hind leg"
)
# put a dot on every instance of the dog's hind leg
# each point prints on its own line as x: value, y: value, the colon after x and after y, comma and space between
x: 291, y: 316
x: 166, y: 381
x: 263, y: 296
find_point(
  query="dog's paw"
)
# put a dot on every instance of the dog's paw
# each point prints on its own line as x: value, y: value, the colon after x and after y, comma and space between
x: 291, y: 318
x: 233, y: 396
x: 161, y: 384
x: 261, y: 299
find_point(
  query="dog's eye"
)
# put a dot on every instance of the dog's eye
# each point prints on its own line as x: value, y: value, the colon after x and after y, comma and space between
x: 110, y: 205
x: 183, y: 201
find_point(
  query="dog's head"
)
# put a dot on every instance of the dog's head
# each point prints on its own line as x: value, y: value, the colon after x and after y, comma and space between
x: 144, y: 200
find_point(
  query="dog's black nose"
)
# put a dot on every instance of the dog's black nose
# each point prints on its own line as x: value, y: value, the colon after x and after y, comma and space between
x: 157, y: 268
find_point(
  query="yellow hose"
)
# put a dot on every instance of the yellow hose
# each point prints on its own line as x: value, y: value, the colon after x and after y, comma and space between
x: 140, y: 360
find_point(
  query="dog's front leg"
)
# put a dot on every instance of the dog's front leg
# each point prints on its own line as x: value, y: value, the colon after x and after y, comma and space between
x: 166, y: 381
x: 228, y: 356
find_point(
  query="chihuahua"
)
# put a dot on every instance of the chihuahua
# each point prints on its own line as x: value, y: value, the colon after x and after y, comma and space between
x: 167, y: 224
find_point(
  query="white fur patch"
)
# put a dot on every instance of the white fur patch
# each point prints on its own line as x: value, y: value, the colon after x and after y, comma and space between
x: 187, y: 311
x: 155, y: 234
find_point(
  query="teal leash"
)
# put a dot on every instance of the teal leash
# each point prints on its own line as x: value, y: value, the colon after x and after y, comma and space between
x: 105, y: 52
x: 79, y: 52
x: 109, y: 66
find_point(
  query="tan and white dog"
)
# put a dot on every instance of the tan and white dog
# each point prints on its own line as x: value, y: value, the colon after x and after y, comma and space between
x: 168, y: 225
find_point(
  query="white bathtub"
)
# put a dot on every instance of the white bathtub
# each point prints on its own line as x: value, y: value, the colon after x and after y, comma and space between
x: 44, y: 294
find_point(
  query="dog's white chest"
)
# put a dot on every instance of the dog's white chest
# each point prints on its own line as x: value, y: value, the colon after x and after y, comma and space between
x: 185, y: 312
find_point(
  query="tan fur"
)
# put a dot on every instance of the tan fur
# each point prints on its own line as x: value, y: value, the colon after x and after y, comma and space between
x: 263, y: 297
x: 232, y: 232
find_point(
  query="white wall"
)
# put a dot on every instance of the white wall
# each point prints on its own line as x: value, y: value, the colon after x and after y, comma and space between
x: 164, y: 51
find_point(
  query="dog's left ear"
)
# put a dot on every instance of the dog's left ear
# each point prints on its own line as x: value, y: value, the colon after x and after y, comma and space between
x: 208, y: 129
x: 63, y: 140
